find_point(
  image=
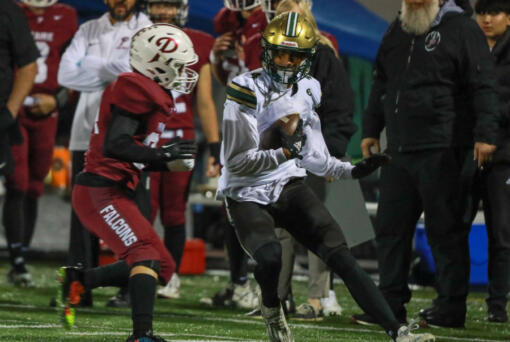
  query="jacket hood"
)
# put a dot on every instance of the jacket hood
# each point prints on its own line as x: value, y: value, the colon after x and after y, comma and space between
x: 466, y: 6
x: 449, y: 6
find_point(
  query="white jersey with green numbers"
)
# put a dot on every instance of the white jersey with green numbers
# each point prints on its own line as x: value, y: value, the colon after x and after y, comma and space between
x: 253, y: 104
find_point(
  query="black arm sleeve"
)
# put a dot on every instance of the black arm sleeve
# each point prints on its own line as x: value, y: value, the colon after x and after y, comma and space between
x: 119, y: 143
x: 337, y: 105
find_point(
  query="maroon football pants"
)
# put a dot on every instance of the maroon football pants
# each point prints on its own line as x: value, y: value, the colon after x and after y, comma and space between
x: 112, y: 215
x: 32, y: 159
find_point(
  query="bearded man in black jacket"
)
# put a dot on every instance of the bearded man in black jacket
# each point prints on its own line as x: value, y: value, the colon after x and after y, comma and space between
x: 434, y: 93
x: 493, y: 16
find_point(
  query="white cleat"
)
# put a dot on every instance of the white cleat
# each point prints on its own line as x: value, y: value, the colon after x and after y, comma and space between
x: 172, y: 290
x: 277, y: 327
x: 245, y: 297
x: 330, y: 306
x: 404, y: 335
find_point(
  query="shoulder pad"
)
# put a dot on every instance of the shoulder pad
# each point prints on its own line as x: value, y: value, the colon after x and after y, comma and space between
x: 239, y: 91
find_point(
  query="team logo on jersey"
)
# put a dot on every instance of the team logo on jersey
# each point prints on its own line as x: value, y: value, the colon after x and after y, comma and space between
x: 123, y: 41
x: 309, y: 92
x: 168, y: 44
x: 432, y: 40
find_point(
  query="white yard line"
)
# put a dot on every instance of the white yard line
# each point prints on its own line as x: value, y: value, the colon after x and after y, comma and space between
x: 38, y: 325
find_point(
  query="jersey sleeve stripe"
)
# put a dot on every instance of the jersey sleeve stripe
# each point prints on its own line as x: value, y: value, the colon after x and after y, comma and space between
x: 240, y: 101
x: 241, y: 95
x: 240, y: 88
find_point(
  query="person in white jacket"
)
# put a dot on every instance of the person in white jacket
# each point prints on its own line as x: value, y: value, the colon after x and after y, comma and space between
x: 98, y: 53
x: 263, y: 184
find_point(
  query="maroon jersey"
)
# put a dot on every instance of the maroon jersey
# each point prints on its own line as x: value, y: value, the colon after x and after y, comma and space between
x: 202, y: 43
x: 52, y: 31
x: 228, y: 21
x: 141, y: 96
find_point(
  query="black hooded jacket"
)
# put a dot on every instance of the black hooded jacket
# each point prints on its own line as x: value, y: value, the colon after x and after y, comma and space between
x: 501, y: 53
x: 435, y: 90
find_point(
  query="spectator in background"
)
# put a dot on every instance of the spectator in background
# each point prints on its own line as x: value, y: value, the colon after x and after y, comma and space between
x: 98, y: 53
x: 53, y: 26
x: 493, y: 16
x: 169, y: 190
x: 434, y: 92
x: 18, y: 68
x: 236, y: 23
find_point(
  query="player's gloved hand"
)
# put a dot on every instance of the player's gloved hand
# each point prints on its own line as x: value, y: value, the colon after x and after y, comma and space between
x: 369, y: 165
x: 293, y: 144
x: 178, y: 149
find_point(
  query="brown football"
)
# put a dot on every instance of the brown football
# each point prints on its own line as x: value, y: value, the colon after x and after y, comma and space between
x: 270, y: 139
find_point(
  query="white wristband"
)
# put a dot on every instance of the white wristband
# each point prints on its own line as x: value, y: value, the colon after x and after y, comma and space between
x: 180, y: 165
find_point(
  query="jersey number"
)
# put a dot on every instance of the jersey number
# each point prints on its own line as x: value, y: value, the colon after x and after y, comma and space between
x: 42, y: 68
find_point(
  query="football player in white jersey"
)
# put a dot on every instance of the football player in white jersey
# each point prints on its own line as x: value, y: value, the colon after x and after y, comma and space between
x: 263, y: 185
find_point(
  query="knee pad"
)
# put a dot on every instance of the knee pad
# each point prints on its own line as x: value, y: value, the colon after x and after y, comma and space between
x: 269, y: 256
x: 154, y: 265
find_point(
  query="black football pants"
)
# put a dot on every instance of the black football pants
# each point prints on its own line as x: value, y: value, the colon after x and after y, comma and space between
x: 299, y: 211
x: 437, y: 182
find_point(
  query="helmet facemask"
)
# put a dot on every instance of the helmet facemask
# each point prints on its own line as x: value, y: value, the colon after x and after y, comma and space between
x: 241, y: 5
x: 286, y: 75
x: 40, y: 3
x: 180, y: 18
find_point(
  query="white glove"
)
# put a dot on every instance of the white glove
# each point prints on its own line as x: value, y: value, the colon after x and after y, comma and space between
x: 180, y: 165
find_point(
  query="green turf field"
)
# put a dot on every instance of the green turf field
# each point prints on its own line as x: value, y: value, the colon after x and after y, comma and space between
x: 25, y: 316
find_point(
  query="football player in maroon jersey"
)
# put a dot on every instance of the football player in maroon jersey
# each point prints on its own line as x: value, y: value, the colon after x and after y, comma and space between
x: 169, y: 190
x: 52, y: 25
x: 125, y: 140
x: 236, y: 23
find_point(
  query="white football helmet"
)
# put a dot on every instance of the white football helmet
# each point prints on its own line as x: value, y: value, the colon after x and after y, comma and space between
x: 39, y: 3
x: 162, y: 52
x: 181, y: 18
x: 241, y: 5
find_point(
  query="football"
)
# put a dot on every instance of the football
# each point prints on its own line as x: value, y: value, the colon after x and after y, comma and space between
x: 270, y: 139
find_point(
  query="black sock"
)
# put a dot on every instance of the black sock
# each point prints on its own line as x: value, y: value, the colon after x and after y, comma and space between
x: 13, y: 220
x: 237, y: 258
x: 269, y: 263
x: 30, y: 217
x: 116, y: 274
x: 331, y: 280
x: 142, y: 290
x: 175, y: 239
x: 363, y: 290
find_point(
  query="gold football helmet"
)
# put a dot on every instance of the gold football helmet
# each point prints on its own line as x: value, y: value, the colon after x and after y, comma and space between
x: 292, y: 33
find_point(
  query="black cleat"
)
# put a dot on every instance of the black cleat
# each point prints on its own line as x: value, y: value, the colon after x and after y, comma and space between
x: 149, y: 337
x: 497, y: 316
x: 435, y: 317
x: 120, y: 300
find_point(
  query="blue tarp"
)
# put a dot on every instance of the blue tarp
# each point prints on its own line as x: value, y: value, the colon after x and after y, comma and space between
x: 358, y: 30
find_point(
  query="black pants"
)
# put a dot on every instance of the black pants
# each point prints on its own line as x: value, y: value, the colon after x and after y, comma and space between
x: 493, y: 189
x: 83, y: 246
x: 299, y: 211
x: 437, y: 182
